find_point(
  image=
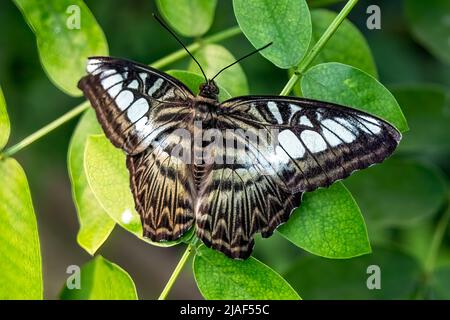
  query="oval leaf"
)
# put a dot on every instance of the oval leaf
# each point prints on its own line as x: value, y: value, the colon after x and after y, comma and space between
x: 212, y: 58
x: 20, y: 255
x: 67, y: 34
x: 286, y: 23
x: 95, y: 223
x: 410, y: 192
x: 193, y: 82
x: 347, y: 45
x: 191, y: 18
x: 4, y: 122
x: 219, y: 277
x: 346, y: 85
x: 429, y: 22
x: 349, y: 279
x: 102, y: 280
x: 328, y: 223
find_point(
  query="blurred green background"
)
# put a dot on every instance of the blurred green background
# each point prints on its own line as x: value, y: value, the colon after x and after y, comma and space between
x: 419, y: 80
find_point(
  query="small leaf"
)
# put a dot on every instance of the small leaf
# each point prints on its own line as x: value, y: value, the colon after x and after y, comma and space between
x: 20, y: 255
x: 4, y: 122
x: 219, y: 277
x: 348, y: 279
x: 63, y: 45
x: 212, y: 58
x: 398, y: 192
x: 193, y: 82
x: 95, y: 223
x: 286, y: 23
x: 328, y: 223
x: 346, y: 85
x: 191, y: 18
x: 347, y: 45
x: 102, y: 280
x: 429, y: 22
x: 428, y: 113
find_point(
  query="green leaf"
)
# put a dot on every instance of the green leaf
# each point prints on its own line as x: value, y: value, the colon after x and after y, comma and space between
x: 286, y: 23
x: 20, y: 255
x: 193, y: 82
x: 4, y: 122
x: 440, y: 281
x: 212, y: 58
x: 427, y: 110
x: 347, y: 45
x: 346, y: 85
x: 64, y: 48
x: 319, y: 278
x: 328, y: 223
x: 429, y: 23
x: 398, y: 192
x: 321, y: 3
x: 95, y: 223
x: 102, y: 280
x: 219, y: 277
x: 191, y: 18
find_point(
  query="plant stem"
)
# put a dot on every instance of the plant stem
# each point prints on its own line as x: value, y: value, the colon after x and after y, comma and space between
x: 311, y: 55
x: 45, y: 130
x: 176, y: 272
x: 85, y: 105
x: 436, y: 241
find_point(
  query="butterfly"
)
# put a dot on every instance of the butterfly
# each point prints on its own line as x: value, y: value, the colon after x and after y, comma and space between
x: 249, y: 190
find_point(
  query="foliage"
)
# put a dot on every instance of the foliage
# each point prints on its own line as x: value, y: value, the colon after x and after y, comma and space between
x: 403, y: 198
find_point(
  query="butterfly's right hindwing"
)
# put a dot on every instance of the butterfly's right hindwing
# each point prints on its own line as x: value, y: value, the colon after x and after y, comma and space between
x: 135, y: 104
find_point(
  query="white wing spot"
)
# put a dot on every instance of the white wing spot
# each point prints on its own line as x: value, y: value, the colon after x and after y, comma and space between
x: 126, y: 216
x: 124, y: 99
x: 304, y: 121
x: 313, y: 141
x: 275, y: 111
x: 289, y: 141
x: 342, y: 132
x: 331, y: 138
x: 111, y: 81
x: 93, y: 65
x: 137, y: 110
x: 373, y: 128
x: 156, y: 85
x: 115, y: 89
x: 369, y: 119
x: 143, y: 76
x: 134, y: 84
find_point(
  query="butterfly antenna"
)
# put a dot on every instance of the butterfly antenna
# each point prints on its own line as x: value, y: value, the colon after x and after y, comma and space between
x: 240, y: 59
x: 165, y: 26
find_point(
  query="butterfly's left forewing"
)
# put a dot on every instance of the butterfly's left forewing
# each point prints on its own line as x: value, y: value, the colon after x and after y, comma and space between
x: 139, y: 109
x: 302, y: 145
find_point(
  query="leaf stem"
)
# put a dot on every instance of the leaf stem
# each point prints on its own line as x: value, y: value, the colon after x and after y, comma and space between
x: 311, y: 55
x: 46, y: 129
x: 228, y: 33
x: 176, y: 272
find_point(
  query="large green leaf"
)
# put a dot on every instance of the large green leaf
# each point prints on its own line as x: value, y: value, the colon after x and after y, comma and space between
x: 95, y: 223
x: 347, y: 45
x: 346, y: 85
x: 328, y: 223
x: 286, y: 23
x: 102, y: 280
x: 4, y: 122
x: 429, y: 23
x: 212, y: 58
x: 191, y: 18
x: 440, y: 283
x: 427, y: 110
x: 398, y: 192
x: 319, y: 278
x: 63, y: 48
x: 20, y: 255
x: 219, y: 277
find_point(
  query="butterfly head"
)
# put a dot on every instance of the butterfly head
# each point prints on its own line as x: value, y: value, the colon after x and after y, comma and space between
x: 209, y: 90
